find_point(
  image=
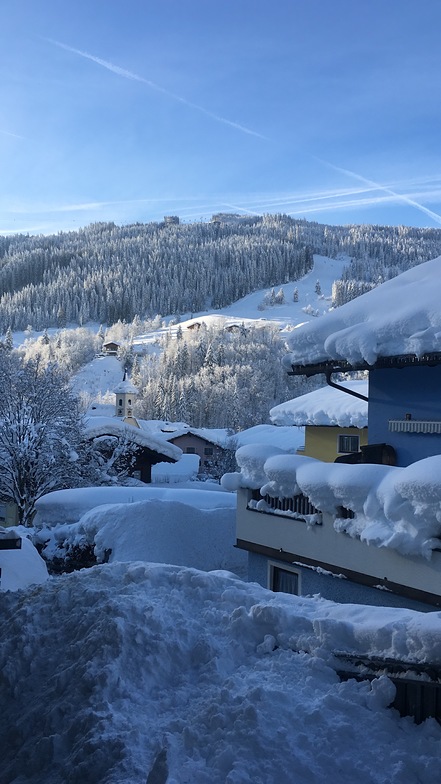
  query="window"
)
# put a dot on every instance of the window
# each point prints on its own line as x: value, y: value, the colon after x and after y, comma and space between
x: 348, y: 444
x: 208, y: 450
x: 120, y: 401
x: 284, y: 580
x: 190, y: 450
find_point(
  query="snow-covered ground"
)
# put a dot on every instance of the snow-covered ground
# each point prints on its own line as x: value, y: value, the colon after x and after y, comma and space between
x: 135, y: 673
x: 249, y: 308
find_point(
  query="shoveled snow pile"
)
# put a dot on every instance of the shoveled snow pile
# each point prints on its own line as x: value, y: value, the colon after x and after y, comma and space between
x: 402, y: 316
x: 136, y: 672
x: 393, y: 507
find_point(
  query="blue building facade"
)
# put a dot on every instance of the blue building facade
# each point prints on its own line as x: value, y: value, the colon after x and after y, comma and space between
x: 405, y: 410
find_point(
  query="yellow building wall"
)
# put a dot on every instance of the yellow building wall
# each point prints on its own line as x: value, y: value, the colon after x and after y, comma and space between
x: 322, y: 442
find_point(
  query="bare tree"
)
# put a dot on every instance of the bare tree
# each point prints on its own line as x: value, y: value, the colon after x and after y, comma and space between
x: 40, y: 434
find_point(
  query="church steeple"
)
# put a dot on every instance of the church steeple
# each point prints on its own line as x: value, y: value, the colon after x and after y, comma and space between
x: 125, y: 393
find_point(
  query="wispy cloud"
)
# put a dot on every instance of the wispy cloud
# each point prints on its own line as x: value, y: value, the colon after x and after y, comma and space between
x: 116, y: 69
x: 400, y: 196
x: 14, y: 135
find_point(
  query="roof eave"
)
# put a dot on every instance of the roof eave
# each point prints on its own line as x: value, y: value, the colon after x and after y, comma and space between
x: 343, y: 366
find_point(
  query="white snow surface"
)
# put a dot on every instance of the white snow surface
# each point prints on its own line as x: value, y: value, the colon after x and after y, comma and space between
x: 402, y: 316
x: 160, y: 531
x: 394, y: 507
x: 97, y: 426
x: 325, y: 406
x: 185, y: 470
x: 135, y: 673
x: 98, y: 378
x: 68, y: 506
x: 126, y: 387
x: 286, y: 438
x: 23, y: 567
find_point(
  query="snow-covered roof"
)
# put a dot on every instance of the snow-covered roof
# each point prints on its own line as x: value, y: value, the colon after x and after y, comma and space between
x: 126, y: 387
x: 216, y: 436
x: 325, y: 406
x: 98, y: 426
x: 402, y: 316
x: 286, y: 438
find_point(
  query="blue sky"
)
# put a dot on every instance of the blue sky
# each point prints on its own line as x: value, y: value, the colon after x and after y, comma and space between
x: 129, y: 111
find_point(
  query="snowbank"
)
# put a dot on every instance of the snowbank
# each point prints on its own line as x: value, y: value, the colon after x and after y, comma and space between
x: 135, y: 673
x: 67, y: 506
x: 158, y: 530
x: 184, y: 470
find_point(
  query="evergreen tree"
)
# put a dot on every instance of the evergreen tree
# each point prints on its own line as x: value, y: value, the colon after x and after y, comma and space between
x: 9, y: 342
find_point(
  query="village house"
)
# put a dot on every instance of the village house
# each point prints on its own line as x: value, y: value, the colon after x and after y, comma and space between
x: 367, y: 533
x: 209, y: 445
x: 335, y: 424
x: 110, y: 348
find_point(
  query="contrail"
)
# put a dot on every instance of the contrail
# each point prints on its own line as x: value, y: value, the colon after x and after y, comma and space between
x: 14, y: 135
x: 384, y: 188
x: 135, y: 77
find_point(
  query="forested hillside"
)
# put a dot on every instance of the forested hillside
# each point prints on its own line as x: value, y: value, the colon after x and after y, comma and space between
x: 107, y: 272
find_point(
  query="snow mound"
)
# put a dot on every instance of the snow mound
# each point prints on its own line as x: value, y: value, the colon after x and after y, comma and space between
x: 135, y: 673
x: 160, y: 531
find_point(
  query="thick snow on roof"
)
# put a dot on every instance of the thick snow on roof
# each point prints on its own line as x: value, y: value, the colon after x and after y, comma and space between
x: 126, y: 387
x: 217, y: 436
x: 139, y: 672
x: 393, y: 507
x: 402, y: 316
x: 287, y: 438
x: 326, y: 406
x: 98, y: 426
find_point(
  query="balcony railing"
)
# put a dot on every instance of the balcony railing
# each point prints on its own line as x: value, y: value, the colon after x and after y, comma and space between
x: 298, y: 506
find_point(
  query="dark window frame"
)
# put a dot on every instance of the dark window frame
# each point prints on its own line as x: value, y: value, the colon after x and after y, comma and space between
x: 348, y: 440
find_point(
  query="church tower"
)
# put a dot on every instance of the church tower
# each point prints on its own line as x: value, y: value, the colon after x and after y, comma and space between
x: 125, y: 393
